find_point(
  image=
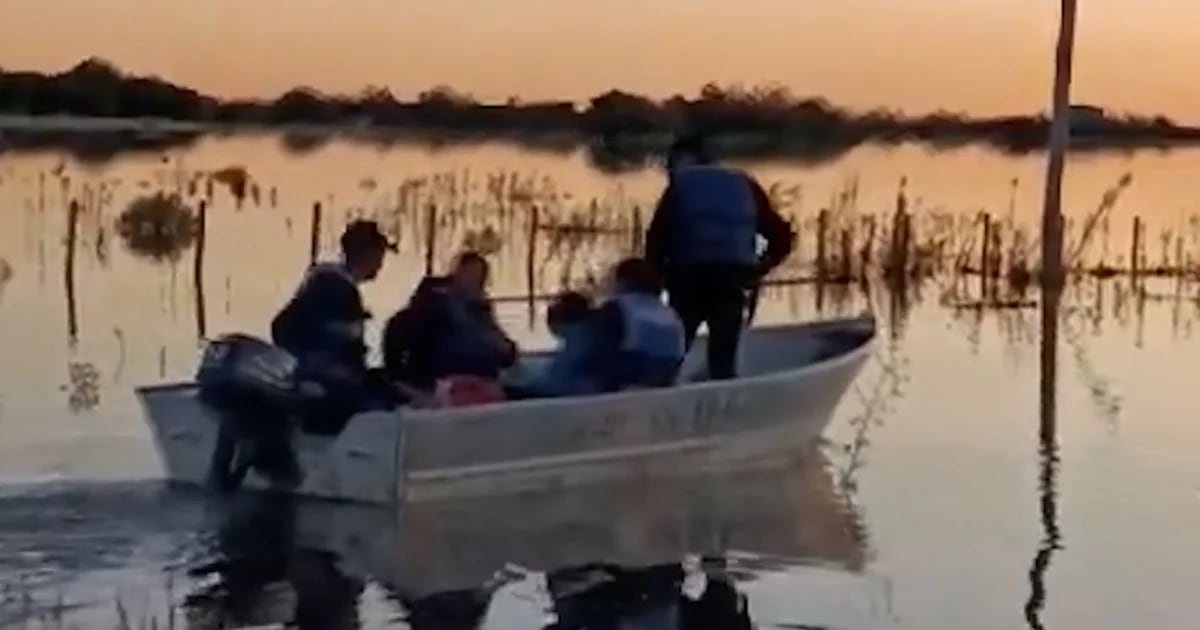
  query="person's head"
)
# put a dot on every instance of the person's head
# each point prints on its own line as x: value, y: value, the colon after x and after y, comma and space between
x: 688, y: 150
x: 363, y: 249
x: 636, y: 275
x: 470, y: 273
x: 569, y: 308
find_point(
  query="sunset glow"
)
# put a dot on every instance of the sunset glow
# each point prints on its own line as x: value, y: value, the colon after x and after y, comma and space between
x: 916, y: 55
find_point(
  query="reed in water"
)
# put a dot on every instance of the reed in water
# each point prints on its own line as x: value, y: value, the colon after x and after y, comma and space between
x: 556, y: 238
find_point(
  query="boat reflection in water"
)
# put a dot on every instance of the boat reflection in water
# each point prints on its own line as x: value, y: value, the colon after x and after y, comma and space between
x: 664, y: 554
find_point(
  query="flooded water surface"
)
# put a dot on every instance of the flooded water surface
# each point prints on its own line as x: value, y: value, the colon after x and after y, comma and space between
x: 965, y: 481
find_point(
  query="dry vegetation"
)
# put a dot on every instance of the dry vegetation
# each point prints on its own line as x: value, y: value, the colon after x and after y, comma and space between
x: 982, y: 259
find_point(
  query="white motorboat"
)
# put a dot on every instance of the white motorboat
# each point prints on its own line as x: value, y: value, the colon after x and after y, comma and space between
x: 791, y: 380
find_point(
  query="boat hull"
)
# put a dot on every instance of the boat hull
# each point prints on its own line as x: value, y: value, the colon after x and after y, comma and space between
x: 793, y: 379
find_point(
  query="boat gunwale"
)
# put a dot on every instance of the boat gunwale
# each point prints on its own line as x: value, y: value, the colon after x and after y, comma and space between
x: 867, y: 320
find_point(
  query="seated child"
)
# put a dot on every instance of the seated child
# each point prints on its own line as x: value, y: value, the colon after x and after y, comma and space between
x: 569, y: 370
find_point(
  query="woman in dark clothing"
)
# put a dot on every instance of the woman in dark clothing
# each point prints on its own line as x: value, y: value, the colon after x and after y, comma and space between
x: 448, y: 328
x: 407, y: 344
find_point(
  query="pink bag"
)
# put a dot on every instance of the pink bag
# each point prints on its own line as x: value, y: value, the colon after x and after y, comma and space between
x: 466, y: 391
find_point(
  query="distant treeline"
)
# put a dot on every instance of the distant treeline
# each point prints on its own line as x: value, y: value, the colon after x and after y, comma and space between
x: 621, y: 127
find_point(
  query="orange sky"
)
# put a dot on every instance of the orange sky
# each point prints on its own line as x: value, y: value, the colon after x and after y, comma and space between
x: 976, y: 55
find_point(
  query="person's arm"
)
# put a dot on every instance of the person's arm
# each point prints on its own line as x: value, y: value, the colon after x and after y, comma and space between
x: 396, y: 341
x: 324, y: 317
x: 659, y: 231
x: 609, y: 329
x: 506, y: 347
x: 346, y: 317
x: 411, y: 335
x: 773, y: 227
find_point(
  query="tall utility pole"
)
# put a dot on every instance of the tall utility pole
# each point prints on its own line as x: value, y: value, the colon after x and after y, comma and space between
x: 1060, y: 134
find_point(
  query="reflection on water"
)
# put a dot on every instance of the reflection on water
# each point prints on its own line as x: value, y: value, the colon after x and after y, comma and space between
x: 1048, y: 459
x: 158, y: 227
x: 263, y: 576
x: 280, y: 559
x: 84, y: 386
x: 236, y: 180
x: 675, y: 554
x: 942, y: 487
x: 876, y: 403
x: 6, y: 274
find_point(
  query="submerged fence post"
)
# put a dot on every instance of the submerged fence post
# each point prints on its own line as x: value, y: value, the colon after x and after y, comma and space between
x: 430, y: 237
x: 868, y: 247
x: 198, y: 269
x: 822, y: 231
x: 847, y: 272
x: 530, y: 265
x: 985, y: 267
x: 314, y: 246
x: 69, y: 272
x: 636, y: 237
x: 1135, y: 252
x: 901, y: 242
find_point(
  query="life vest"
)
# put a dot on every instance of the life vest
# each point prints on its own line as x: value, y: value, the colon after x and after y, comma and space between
x: 716, y: 220
x: 651, y: 328
x: 651, y: 347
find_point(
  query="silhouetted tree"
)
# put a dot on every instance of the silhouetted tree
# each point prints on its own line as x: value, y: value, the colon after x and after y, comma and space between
x: 303, y: 105
x: 624, y: 129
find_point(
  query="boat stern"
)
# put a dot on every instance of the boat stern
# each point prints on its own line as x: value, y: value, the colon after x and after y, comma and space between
x: 184, y: 429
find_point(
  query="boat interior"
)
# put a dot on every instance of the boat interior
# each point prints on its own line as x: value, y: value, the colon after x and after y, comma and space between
x: 763, y: 350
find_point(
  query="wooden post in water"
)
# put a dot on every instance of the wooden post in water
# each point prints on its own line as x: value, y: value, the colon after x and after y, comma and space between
x: 822, y: 235
x: 847, y: 272
x: 1135, y: 253
x: 530, y: 264
x: 636, y: 237
x: 868, y: 247
x: 430, y: 237
x: 1060, y: 136
x: 69, y: 272
x: 198, y: 270
x: 901, y: 244
x: 314, y: 243
x: 985, y: 268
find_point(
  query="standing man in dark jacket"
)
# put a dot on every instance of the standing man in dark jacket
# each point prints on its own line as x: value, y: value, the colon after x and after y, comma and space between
x: 703, y: 239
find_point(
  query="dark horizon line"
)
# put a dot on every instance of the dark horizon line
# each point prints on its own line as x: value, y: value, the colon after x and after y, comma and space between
x: 622, y: 130
x: 94, y: 74
x: 517, y: 101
